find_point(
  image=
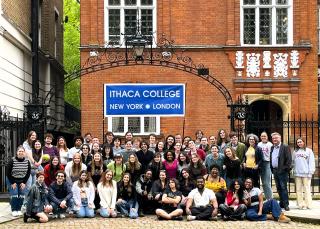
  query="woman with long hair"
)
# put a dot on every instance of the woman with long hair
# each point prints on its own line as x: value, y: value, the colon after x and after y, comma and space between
x: 196, y: 167
x: 95, y: 171
x: 186, y: 185
x: 35, y: 158
x: 304, y: 167
x: 133, y: 167
x: 231, y: 166
x: 107, y: 189
x: 83, y: 195
x: 159, y: 186
x: 155, y: 165
x: 160, y: 149
x: 51, y: 169
x: 234, y: 207
x: 127, y: 203
x: 107, y: 154
x: 183, y: 162
x: 27, y: 144
x: 222, y: 140
x: 63, y: 150
x: 74, y: 167
x: 170, y: 202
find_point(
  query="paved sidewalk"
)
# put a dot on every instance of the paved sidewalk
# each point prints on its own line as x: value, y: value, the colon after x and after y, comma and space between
x: 306, y: 216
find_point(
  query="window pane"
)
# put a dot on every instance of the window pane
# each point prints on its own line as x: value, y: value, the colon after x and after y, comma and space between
x: 134, y: 124
x: 282, y: 2
x: 265, y: 2
x: 130, y: 21
x: 146, y: 22
x: 150, y: 124
x: 114, y: 26
x: 117, y: 124
x: 249, y: 2
x: 265, y: 26
x: 147, y: 2
x: 249, y: 26
x: 114, y: 2
x: 282, y: 26
x: 130, y: 2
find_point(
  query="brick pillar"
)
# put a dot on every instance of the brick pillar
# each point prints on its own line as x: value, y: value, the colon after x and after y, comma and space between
x: 230, y: 22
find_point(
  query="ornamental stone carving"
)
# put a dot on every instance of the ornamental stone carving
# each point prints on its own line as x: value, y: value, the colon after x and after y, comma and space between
x: 239, y: 59
x: 294, y: 57
x: 266, y: 59
x: 253, y: 65
x: 280, y: 68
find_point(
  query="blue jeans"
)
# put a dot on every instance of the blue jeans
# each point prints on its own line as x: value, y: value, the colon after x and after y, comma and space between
x: 266, y: 179
x: 105, y: 213
x: 281, y: 180
x: 270, y: 206
x: 58, y: 210
x: 84, y: 210
x: 125, y: 208
x: 16, y: 196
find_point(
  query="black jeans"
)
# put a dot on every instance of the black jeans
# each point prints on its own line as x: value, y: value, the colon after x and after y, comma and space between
x: 202, y: 213
x: 231, y: 212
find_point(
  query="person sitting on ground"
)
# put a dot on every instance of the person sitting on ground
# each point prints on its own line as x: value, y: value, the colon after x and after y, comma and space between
x: 37, y: 204
x: 202, y: 203
x: 170, y: 201
x: 143, y: 188
x: 83, y: 195
x: 127, y: 203
x: 257, y: 210
x: 234, y: 207
x: 60, y: 195
x: 107, y: 190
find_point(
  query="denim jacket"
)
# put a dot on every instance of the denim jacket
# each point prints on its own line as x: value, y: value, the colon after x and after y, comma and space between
x: 36, y: 199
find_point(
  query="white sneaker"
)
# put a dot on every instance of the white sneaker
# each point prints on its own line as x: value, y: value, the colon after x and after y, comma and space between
x: 191, y: 217
x: 14, y: 213
x: 54, y: 216
x: 62, y: 216
x: 19, y: 213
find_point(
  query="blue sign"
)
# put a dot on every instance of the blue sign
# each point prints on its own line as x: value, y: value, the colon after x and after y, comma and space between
x: 144, y: 99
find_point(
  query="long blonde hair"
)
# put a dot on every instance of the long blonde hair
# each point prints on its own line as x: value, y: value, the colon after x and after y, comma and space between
x: 76, y: 169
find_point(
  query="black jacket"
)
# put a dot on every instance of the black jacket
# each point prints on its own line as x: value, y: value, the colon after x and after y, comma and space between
x: 284, y: 159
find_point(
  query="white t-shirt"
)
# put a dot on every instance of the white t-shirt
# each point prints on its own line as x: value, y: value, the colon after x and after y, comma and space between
x: 202, y: 200
x: 266, y: 149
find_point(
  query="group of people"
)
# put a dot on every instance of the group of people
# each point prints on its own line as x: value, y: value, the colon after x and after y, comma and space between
x: 199, y: 178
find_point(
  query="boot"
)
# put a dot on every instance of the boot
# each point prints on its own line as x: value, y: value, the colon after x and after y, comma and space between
x: 25, y: 217
x: 283, y: 219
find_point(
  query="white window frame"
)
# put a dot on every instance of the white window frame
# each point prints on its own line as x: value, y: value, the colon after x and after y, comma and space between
x: 122, y: 7
x: 257, y: 6
x: 157, y: 132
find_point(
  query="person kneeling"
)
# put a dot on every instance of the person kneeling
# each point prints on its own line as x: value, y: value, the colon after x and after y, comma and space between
x: 202, y: 203
x: 259, y: 211
x: 83, y: 196
x: 36, y: 202
x: 170, y: 200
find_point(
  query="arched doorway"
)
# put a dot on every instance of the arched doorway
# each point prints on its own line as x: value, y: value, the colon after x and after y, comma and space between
x: 265, y: 115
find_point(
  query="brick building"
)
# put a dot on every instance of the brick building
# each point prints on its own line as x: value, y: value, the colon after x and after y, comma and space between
x: 262, y: 50
x: 16, y: 57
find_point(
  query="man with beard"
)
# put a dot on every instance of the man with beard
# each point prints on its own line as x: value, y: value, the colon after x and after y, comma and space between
x: 202, y: 203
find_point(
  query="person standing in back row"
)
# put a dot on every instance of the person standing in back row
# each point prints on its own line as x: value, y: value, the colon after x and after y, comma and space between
x: 281, y: 160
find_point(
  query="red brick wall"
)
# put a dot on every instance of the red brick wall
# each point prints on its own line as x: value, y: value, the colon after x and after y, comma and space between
x: 197, y: 23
